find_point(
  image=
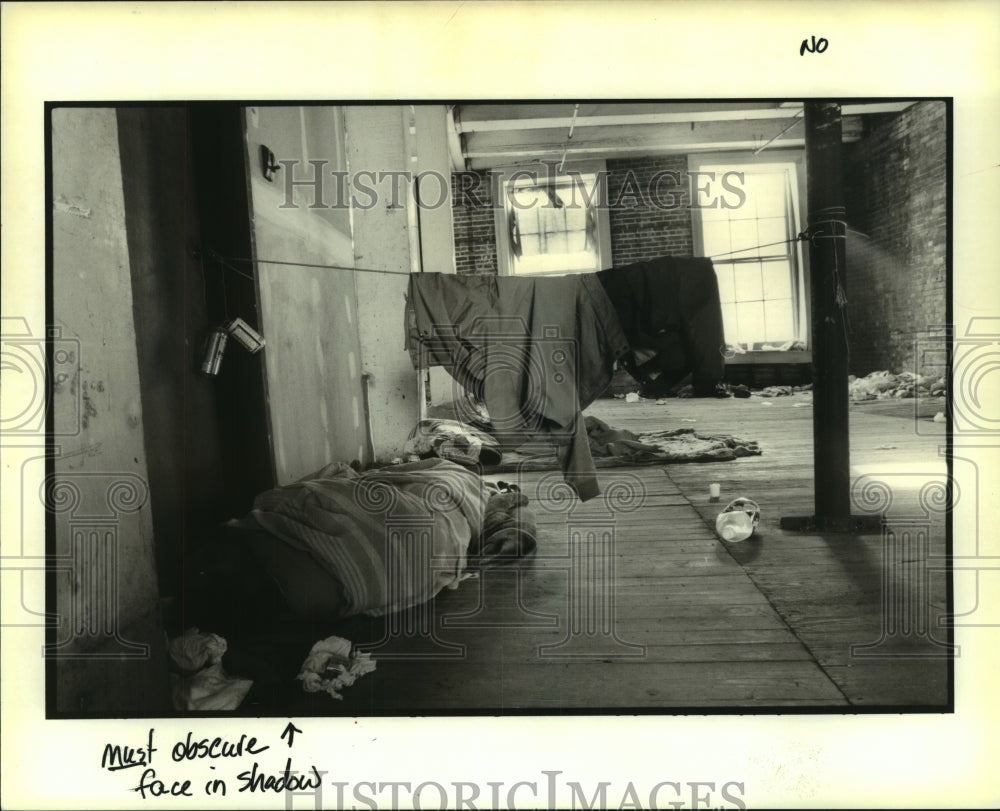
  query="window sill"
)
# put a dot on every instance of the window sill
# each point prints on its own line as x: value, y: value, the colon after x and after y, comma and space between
x: 770, y: 356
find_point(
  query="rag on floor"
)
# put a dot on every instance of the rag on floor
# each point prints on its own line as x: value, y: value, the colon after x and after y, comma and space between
x: 617, y: 447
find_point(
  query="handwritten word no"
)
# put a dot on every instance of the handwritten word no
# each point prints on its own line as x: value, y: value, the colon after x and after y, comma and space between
x: 813, y: 45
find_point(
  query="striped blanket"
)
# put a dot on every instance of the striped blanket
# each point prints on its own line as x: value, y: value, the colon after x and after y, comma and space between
x: 393, y: 537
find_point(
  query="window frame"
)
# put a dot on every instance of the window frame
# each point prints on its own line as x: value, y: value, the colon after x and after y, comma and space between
x: 502, y: 175
x: 801, y: 288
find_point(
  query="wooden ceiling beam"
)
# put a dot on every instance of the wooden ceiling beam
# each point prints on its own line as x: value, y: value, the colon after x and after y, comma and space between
x: 516, y: 117
x: 469, y: 121
x: 486, y: 150
x: 591, y: 153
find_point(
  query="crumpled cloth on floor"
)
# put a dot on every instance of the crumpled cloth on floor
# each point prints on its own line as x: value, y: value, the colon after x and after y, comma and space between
x: 332, y: 665
x: 618, y: 447
x: 202, y: 684
x: 686, y: 445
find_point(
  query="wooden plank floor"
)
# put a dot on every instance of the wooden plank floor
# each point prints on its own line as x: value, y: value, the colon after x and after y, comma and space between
x: 641, y: 608
x: 829, y: 589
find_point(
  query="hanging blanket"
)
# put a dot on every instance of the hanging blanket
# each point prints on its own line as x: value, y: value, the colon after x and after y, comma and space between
x: 669, y: 309
x: 535, y: 351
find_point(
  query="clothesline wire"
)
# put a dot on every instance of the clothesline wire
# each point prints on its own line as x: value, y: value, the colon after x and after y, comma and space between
x: 805, y: 236
x: 226, y: 263
x: 758, y: 247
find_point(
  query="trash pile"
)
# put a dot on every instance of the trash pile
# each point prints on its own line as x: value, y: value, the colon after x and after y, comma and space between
x: 725, y: 390
x: 875, y: 386
x: 885, y: 386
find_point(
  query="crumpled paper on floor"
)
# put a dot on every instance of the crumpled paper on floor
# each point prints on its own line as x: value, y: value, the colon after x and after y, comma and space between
x: 202, y: 684
x: 332, y: 665
x: 192, y: 650
x: 208, y: 689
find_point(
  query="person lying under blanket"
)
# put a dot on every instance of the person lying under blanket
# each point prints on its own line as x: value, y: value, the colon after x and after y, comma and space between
x: 338, y: 543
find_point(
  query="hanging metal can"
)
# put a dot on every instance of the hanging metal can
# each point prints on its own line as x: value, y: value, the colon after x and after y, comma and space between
x: 215, y: 348
x: 245, y: 335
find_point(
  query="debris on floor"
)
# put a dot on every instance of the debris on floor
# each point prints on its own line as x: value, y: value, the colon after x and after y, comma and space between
x: 884, y: 385
x: 199, y: 681
x: 776, y: 391
x: 192, y: 650
x: 333, y: 664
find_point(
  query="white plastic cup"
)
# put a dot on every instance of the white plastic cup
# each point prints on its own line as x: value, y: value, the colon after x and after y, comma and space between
x: 738, y: 521
x: 714, y: 491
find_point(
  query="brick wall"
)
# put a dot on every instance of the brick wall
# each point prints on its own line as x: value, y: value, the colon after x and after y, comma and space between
x: 895, y: 189
x: 648, y: 218
x: 472, y: 220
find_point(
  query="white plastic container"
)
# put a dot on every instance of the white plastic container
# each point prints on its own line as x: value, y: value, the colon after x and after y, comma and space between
x: 738, y: 521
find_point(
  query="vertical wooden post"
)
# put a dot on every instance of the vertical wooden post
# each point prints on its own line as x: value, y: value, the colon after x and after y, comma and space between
x: 828, y: 264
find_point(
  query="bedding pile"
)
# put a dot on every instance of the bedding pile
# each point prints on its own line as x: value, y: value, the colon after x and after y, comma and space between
x: 392, y: 538
x: 453, y: 440
x: 339, y: 543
